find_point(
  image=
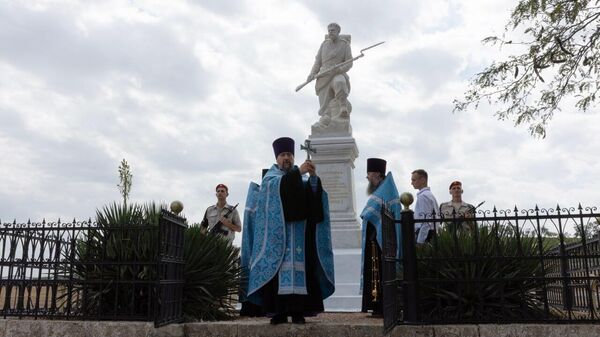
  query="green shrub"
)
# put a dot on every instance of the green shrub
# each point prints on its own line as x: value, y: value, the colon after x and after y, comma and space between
x: 485, y: 274
x: 212, y: 276
x: 117, y: 271
x: 110, y: 283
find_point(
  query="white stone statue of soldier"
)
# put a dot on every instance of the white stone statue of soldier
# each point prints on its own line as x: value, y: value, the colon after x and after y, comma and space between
x: 334, y: 87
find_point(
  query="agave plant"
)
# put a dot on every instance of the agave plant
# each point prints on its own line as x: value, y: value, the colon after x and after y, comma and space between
x: 117, y: 262
x: 212, y: 276
x: 482, y: 274
x: 117, y: 269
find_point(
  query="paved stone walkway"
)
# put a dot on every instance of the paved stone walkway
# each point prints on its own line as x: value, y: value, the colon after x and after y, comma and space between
x: 324, y: 325
x: 328, y: 317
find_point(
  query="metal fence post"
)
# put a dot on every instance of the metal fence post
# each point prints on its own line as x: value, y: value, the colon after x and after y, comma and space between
x: 409, y: 259
x: 171, y: 267
x: 389, y: 262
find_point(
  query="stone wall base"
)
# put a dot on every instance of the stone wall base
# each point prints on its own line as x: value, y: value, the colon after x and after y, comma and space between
x: 44, y: 328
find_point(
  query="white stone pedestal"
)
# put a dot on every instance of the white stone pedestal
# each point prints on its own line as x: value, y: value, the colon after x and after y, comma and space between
x: 347, y: 296
x: 335, y: 166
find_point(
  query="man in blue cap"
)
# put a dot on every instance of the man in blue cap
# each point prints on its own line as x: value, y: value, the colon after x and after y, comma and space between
x: 382, y: 193
x: 290, y: 261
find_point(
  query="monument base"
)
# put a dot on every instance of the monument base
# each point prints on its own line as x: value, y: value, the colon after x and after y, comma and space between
x: 336, y: 151
x: 346, y: 297
x: 334, y: 159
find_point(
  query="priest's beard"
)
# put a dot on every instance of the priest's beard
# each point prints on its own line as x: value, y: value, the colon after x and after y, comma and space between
x: 286, y: 166
x: 371, y: 188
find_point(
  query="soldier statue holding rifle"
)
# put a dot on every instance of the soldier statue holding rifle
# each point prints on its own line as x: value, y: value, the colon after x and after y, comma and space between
x: 330, y: 69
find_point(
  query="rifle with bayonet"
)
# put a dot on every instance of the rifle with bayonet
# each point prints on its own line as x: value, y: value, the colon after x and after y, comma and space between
x: 218, y: 227
x: 331, y: 69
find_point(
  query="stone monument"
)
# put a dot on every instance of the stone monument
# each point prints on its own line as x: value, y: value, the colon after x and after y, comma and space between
x: 331, y: 135
x: 333, y: 152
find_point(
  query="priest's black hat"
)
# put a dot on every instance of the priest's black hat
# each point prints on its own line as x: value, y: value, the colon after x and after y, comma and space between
x: 376, y: 165
x: 283, y: 144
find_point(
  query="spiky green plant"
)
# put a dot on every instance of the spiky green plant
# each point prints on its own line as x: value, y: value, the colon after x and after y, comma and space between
x: 117, y: 261
x: 117, y: 271
x: 486, y: 274
x: 212, y: 276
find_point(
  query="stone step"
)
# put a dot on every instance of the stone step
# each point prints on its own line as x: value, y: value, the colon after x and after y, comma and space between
x: 347, y: 282
x: 324, y: 325
x: 350, y: 303
x: 344, y: 289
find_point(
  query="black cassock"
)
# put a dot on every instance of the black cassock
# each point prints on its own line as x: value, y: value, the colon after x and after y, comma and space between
x: 299, y: 202
x: 368, y: 302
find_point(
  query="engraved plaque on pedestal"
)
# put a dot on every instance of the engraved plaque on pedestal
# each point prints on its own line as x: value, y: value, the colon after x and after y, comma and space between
x: 335, y: 166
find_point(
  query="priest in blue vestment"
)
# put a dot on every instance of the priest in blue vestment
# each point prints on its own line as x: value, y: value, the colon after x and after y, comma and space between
x: 248, y: 308
x: 290, y: 264
x: 382, y: 192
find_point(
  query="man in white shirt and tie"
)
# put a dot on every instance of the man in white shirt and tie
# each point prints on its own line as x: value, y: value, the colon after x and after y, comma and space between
x: 425, y: 207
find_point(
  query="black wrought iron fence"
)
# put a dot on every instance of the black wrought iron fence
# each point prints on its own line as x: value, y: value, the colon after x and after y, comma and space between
x: 501, y: 266
x: 86, y: 271
x: 171, y: 269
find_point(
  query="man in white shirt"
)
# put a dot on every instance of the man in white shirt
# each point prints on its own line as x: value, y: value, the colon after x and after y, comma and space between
x: 425, y: 207
x: 223, y: 212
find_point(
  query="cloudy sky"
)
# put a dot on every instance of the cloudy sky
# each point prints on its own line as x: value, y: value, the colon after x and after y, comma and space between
x: 192, y: 93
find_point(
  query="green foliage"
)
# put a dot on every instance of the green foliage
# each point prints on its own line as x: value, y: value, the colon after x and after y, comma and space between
x: 212, y: 276
x: 560, y: 61
x: 124, y: 233
x: 126, y: 179
x: 468, y: 281
x: 117, y: 269
x: 589, y: 229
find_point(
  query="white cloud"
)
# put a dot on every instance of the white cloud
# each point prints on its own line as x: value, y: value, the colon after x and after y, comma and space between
x: 192, y: 93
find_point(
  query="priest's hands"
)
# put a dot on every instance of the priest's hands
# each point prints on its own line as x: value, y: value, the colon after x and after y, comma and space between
x: 308, y: 167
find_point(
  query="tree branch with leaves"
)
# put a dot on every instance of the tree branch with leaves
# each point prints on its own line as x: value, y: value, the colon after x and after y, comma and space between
x: 560, y: 62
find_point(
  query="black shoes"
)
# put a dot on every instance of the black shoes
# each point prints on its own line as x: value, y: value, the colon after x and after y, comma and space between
x: 279, y: 319
x: 298, y: 319
x: 282, y: 318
